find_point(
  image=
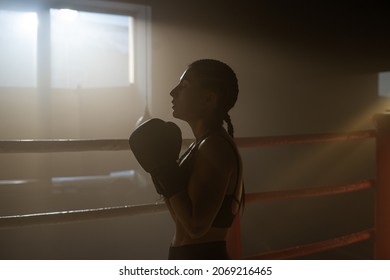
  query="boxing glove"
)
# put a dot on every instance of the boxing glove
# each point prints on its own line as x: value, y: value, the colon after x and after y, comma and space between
x: 156, y: 145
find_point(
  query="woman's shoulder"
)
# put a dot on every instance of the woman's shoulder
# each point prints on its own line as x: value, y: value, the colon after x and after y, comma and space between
x: 219, y: 137
x: 218, y: 145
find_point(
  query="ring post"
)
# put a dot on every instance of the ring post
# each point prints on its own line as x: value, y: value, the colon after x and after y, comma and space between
x: 382, y: 195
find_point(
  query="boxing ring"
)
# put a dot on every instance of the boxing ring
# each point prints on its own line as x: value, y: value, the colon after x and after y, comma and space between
x: 380, y: 234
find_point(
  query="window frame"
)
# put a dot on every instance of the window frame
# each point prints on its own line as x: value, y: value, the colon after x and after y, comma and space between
x: 141, y: 34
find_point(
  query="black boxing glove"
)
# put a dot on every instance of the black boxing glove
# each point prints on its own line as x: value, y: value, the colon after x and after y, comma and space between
x: 156, y: 145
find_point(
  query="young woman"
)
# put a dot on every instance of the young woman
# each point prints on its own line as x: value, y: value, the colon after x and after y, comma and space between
x: 203, y: 190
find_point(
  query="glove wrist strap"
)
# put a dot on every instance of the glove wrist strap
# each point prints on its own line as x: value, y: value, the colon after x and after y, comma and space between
x: 168, y: 180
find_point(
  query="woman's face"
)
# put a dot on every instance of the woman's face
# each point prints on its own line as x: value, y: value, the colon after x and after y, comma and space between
x: 189, y: 99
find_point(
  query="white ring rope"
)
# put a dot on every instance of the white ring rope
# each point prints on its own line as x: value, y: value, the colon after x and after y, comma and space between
x: 62, y: 145
x: 74, y: 145
x: 80, y: 215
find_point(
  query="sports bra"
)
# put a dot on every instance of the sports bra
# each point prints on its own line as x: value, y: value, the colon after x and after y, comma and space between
x: 225, y: 215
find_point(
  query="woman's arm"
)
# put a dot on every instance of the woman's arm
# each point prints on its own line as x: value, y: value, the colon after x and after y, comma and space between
x: 197, y: 207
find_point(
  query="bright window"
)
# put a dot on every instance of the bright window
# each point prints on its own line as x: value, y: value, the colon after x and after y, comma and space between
x: 18, y: 49
x: 90, y: 50
x: 72, y: 44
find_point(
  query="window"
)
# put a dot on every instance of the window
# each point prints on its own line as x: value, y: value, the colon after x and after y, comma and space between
x: 384, y: 84
x: 65, y: 63
x: 90, y: 50
x: 18, y: 48
x: 73, y: 44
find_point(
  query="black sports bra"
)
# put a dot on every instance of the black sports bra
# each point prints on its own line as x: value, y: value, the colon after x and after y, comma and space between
x: 225, y: 215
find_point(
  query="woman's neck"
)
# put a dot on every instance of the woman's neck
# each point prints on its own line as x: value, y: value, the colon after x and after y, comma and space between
x: 202, y: 128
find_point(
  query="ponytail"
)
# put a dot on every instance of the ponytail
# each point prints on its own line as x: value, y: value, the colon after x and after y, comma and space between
x: 230, y: 128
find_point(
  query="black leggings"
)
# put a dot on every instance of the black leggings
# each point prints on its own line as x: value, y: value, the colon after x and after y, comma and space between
x: 202, y: 251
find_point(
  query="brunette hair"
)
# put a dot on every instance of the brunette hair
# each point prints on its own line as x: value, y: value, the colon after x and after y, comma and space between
x: 220, y: 78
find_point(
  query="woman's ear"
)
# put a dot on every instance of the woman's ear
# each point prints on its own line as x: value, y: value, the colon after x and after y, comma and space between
x: 211, y: 99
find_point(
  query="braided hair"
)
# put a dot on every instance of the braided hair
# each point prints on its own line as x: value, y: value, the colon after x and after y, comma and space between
x: 220, y: 78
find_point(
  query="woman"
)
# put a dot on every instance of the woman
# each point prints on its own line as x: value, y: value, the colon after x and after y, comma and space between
x: 203, y: 190
x: 206, y: 92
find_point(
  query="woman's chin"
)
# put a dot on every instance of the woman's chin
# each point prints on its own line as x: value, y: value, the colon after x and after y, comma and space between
x: 175, y: 114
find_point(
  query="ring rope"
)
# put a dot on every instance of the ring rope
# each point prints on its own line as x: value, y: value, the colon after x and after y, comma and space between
x: 75, y: 145
x: 51, y: 218
x: 132, y: 210
x: 309, y: 192
x: 316, y: 247
x: 69, y: 145
x: 251, y: 142
x: 62, y: 145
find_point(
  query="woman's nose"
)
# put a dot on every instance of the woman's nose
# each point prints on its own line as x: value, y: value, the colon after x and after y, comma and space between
x: 173, y: 92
